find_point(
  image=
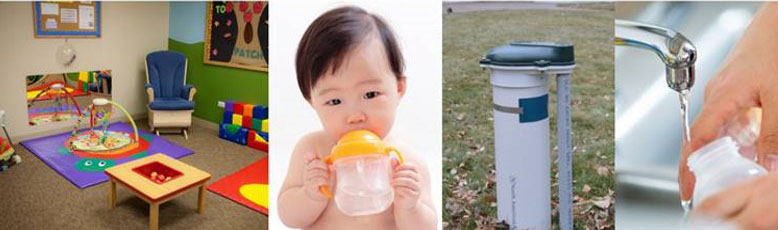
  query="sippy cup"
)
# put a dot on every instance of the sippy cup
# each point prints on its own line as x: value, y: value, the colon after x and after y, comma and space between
x: 362, y: 164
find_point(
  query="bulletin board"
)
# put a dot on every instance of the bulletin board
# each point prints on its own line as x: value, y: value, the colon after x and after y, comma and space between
x: 66, y: 19
x: 236, y: 35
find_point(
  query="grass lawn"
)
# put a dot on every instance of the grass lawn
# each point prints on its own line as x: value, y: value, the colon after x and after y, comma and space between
x: 468, y: 152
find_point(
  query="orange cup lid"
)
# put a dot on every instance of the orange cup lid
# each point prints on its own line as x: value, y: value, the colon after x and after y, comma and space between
x: 358, y: 142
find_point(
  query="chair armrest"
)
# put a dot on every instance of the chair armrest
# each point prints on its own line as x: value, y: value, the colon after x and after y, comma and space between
x: 192, y: 93
x: 189, y: 92
x: 150, y: 92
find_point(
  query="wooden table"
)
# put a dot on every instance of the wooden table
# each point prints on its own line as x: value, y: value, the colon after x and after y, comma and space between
x: 152, y: 192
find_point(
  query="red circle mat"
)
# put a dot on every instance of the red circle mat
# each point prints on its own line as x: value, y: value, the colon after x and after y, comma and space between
x: 129, y: 150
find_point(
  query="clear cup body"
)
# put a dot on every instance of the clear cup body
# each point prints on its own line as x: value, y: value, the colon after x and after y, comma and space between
x: 363, y: 184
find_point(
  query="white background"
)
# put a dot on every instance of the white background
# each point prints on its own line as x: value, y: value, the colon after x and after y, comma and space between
x: 417, y: 25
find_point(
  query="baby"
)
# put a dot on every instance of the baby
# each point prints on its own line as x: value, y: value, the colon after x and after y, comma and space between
x: 350, y: 70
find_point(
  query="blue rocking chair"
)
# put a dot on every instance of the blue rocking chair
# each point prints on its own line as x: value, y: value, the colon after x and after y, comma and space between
x: 170, y: 99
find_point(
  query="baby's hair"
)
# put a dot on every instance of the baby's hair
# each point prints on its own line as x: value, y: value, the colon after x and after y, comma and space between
x: 333, y: 35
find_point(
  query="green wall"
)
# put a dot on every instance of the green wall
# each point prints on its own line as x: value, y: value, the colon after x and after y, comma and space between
x: 218, y: 83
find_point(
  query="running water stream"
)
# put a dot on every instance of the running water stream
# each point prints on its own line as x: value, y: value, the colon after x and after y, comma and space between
x: 683, y: 96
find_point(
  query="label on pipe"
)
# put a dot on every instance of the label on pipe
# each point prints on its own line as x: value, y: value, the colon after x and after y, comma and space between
x: 533, y: 109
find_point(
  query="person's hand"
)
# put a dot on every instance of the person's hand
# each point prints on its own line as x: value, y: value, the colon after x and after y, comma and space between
x: 748, y: 79
x: 406, y: 184
x: 750, y: 205
x: 316, y: 174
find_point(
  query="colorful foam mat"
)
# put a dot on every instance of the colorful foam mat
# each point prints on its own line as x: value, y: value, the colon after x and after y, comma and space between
x: 247, y: 187
x: 86, y: 172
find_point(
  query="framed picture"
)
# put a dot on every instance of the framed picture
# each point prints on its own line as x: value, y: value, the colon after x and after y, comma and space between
x: 66, y: 19
x: 236, y: 35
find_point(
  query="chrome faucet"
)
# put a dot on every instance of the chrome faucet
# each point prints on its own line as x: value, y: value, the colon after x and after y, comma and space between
x: 677, y: 52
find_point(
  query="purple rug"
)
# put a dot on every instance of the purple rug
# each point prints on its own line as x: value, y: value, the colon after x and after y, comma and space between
x: 86, y: 172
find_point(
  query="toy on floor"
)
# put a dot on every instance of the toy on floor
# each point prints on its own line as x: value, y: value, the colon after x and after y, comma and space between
x: 59, y: 93
x: 245, y: 124
x: 8, y: 156
x: 233, y: 133
x: 102, y: 143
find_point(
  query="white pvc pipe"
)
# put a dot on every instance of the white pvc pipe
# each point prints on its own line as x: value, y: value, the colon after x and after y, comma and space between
x: 521, y: 152
x: 522, y: 147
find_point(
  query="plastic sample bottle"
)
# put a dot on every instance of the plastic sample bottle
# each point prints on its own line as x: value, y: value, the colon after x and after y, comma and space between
x: 743, y: 128
x: 719, y: 165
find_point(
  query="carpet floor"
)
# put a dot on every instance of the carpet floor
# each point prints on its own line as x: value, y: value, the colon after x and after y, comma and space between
x: 33, y: 196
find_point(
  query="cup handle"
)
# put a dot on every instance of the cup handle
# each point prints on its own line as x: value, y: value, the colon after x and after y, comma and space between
x: 390, y: 150
x: 325, y: 190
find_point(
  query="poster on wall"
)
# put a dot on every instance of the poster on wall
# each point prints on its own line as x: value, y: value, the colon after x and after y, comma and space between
x: 66, y: 19
x: 236, y: 35
x: 64, y: 97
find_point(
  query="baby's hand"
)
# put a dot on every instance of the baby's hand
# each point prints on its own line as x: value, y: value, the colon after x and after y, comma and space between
x: 316, y: 175
x: 406, y: 184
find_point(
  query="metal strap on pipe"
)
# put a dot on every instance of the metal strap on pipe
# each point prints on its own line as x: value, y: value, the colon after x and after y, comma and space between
x: 506, y: 109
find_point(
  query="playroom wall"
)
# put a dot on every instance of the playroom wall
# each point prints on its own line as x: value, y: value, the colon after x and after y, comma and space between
x: 213, y: 83
x: 129, y: 32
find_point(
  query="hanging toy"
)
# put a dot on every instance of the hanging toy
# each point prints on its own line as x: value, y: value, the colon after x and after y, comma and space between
x: 8, y: 156
x: 99, y: 142
x: 106, y: 119
x: 75, y: 127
